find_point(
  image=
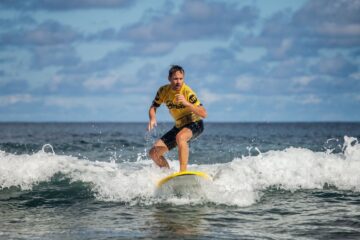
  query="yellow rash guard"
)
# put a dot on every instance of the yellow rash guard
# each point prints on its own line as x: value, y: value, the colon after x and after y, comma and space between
x: 178, y: 111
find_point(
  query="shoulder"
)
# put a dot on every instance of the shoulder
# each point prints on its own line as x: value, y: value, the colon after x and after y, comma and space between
x: 191, y: 95
x: 187, y: 89
x: 164, y: 88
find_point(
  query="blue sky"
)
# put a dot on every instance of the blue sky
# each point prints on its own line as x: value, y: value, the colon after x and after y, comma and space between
x: 251, y: 60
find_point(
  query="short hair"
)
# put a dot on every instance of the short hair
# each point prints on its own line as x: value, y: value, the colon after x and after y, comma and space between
x: 174, y: 69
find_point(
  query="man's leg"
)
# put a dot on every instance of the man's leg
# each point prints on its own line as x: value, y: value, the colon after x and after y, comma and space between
x: 182, y: 139
x: 157, y: 153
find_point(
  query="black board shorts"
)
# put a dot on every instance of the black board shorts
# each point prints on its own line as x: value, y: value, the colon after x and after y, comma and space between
x: 169, y: 138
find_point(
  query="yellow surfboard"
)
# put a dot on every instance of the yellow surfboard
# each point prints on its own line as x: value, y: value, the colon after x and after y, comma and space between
x: 189, y: 184
x: 184, y: 174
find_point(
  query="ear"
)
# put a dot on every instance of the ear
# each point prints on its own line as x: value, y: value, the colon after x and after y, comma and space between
x: 169, y: 79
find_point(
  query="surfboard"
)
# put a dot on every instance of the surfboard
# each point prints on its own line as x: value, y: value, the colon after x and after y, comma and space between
x: 183, y: 184
x: 182, y: 176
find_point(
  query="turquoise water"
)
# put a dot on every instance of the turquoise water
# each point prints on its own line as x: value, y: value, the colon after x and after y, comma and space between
x: 95, y: 181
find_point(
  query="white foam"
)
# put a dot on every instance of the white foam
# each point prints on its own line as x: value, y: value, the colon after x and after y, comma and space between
x: 239, y: 182
x: 242, y: 180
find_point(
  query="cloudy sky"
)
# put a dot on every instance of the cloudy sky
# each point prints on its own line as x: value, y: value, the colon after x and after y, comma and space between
x: 250, y: 60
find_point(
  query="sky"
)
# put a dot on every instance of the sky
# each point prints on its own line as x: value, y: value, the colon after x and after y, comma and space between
x: 249, y: 60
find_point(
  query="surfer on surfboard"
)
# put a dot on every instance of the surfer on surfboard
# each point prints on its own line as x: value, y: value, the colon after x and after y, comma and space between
x: 187, y: 111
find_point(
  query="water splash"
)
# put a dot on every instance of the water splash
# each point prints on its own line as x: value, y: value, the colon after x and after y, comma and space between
x: 240, y: 182
x: 48, y: 146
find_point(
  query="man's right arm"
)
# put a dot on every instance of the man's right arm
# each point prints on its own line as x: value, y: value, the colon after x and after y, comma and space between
x: 152, y: 117
x: 152, y: 111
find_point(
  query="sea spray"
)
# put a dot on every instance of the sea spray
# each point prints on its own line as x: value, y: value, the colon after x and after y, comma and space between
x: 240, y: 182
x: 291, y: 169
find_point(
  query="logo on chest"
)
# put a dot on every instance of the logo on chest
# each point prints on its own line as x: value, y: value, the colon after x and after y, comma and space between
x: 171, y: 105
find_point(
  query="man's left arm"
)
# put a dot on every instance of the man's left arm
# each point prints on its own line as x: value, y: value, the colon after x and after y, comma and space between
x: 198, y: 110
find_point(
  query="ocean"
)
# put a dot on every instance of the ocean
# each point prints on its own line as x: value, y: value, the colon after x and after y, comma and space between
x: 95, y: 181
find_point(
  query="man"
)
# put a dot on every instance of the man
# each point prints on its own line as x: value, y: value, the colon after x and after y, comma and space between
x: 187, y: 112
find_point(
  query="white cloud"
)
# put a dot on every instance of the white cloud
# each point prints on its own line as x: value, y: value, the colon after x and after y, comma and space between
x: 339, y: 29
x: 198, y: 10
x: 55, y: 81
x: 355, y: 76
x: 94, y: 103
x: 244, y: 83
x: 158, y: 48
x: 16, y: 98
x: 100, y: 83
x: 285, y: 45
x: 303, y: 80
x: 209, y: 97
x: 59, y: 5
x: 357, y: 97
x: 195, y: 20
x: 311, y: 99
x: 311, y: 61
x: 67, y: 102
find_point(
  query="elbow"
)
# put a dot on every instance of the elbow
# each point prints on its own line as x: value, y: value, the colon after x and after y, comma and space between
x: 200, y: 111
x: 204, y: 115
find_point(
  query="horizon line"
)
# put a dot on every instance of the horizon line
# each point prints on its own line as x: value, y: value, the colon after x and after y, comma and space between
x: 166, y: 122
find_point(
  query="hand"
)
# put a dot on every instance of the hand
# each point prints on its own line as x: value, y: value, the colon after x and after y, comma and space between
x: 181, y: 99
x: 152, y: 124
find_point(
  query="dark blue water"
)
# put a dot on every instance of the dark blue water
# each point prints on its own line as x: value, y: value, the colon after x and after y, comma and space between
x: 95, y: 181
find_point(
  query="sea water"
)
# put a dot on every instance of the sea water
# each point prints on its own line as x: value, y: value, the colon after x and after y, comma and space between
x: 96, y: 181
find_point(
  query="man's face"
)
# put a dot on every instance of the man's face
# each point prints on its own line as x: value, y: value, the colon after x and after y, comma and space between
x: 176, y: 81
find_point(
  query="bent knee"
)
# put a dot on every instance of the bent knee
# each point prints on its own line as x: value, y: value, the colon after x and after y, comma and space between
x: 156, y: 152
x: 152, y: 152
